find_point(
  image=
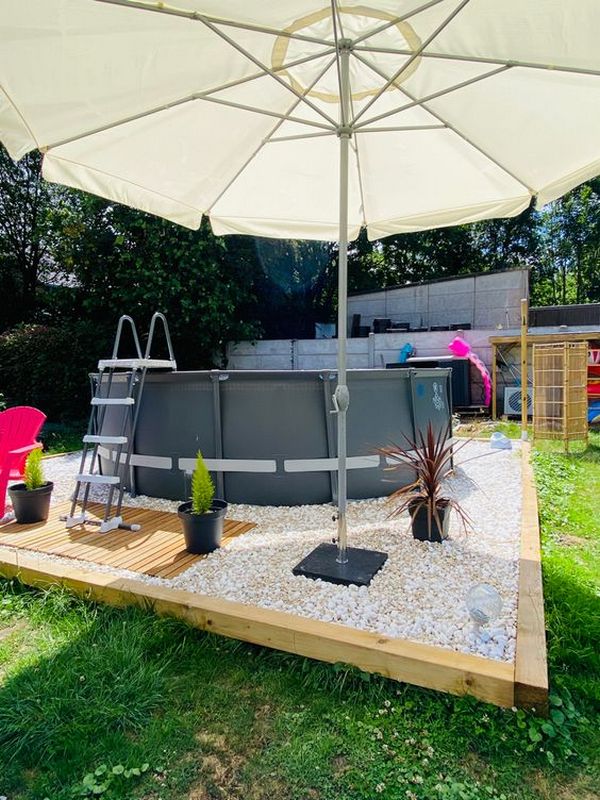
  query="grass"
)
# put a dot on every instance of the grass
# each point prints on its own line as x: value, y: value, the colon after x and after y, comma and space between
x: 123, y: 705
x: 59, y: 437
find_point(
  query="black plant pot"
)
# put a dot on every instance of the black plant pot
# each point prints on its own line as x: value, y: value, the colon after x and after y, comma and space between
x: 202, y: 532
x: 420, y: 522
x: 30, y: 505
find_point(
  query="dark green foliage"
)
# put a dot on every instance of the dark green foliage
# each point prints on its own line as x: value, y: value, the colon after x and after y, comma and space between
x: 203, y: 489
x: 48, y: 366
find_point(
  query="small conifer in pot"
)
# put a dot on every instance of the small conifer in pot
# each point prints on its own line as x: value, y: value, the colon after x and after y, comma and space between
x: 202, y: 516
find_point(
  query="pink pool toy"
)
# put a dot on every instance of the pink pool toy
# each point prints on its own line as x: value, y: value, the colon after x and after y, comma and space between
x: 458, y: 347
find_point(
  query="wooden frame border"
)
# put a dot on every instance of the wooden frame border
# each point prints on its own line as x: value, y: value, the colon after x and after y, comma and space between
x: 531, y: 667
x: 503, y: 684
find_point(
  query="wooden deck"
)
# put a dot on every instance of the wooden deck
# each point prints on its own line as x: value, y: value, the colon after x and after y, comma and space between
x: 157, y: 549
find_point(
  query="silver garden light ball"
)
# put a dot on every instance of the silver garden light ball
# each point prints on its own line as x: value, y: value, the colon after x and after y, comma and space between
x: 484, y: 604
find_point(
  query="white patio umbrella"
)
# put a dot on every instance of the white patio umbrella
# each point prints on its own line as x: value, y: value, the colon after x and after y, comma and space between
x: 307, y: 118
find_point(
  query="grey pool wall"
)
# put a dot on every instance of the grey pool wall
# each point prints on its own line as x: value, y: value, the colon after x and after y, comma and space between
x: 269, y: 437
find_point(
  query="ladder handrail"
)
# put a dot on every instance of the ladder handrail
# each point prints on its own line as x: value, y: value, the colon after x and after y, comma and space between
x: 126, y: 318
x: 159, y: 316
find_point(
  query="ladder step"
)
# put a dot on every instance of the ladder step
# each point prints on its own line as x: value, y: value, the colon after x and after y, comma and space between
x: 112, y: 401
x: 136, y: 363
x: 105, y: 479
x: 93, y: 439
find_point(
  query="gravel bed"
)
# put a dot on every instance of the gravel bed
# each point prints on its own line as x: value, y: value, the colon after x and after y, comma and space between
x: 420, y: 592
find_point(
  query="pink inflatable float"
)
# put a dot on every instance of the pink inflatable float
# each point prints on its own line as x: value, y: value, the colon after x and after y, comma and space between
x: 458, y: 347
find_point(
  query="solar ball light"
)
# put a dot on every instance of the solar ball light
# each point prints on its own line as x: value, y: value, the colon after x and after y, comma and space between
x: 484, y: 604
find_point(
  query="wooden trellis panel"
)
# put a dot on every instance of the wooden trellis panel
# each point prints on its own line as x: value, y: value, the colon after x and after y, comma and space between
x: 560, y: 391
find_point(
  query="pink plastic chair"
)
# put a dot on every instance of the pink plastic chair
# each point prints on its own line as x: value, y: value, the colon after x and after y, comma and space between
x: 19, y: 427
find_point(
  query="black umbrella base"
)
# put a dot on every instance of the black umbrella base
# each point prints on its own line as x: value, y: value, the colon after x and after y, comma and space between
x: 359, y: 570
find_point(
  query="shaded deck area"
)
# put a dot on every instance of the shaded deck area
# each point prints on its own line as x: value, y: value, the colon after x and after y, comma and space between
x: 157, y: 549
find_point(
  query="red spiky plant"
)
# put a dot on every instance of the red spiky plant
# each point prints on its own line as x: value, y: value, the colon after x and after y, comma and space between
x: 430, y: 457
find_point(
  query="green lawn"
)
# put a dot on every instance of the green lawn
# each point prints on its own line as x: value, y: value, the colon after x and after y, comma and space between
x: 121, y: 704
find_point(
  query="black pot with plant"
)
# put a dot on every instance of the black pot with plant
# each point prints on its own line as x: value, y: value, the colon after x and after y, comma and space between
x: 430, y: 458
x: 202, y: 517
x: 31, y: 499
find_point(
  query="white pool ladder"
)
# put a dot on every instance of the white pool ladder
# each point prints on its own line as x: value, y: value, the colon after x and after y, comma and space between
x: 134, y: 370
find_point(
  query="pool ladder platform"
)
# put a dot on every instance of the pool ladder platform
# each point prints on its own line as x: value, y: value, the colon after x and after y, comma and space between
x: 134, y: 370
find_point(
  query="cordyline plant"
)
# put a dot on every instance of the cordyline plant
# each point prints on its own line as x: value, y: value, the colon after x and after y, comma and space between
x: 430, y: 457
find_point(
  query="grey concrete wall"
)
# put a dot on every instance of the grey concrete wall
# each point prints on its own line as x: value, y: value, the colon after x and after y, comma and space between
x: 483, y: 301
x: 374, y: 351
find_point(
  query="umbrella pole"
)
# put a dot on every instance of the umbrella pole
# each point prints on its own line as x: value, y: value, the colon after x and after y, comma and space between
x: 326, y: 562
x: 342, y: 397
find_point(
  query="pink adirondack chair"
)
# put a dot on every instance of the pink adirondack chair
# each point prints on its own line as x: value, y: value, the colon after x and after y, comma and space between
x: 19, y: 427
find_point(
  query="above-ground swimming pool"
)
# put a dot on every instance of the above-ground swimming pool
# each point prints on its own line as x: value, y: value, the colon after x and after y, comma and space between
x: 269, y: 438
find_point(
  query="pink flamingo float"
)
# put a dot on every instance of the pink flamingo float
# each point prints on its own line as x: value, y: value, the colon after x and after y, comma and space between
x: 458, y: 347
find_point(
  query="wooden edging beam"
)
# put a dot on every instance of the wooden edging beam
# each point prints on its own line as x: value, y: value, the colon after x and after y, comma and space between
x: 419, y: 664
x: 531, y: 667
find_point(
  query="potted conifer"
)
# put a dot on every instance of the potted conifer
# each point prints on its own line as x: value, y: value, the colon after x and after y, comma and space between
x: 430, y: 458
x: 202, y: 517
x: 31, y: 499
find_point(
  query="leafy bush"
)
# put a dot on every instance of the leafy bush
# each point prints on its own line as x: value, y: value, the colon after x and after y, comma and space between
x: 47, y: 367
x: 203, y: 489
x: 34, y: 474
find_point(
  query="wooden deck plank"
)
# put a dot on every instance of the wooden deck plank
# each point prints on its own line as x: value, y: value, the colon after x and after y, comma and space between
x: 160, y: 555
x: 137, y: 553
x: 183, y: 563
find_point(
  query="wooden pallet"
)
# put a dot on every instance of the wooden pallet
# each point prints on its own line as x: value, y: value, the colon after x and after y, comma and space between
x: 157, y: 549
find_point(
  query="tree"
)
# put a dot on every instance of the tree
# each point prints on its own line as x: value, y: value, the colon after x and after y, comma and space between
x: 28, y: 234
x: 570, y: 248
x: 127, y: 262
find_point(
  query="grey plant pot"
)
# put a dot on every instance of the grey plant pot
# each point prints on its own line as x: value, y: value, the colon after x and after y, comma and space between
x: 420, y: 523
x: 30, y: 505
x: 202, y: 532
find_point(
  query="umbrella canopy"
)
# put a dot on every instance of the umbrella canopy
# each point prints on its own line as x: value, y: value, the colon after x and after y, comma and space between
x: 460, y: 110
x: 307, y: 119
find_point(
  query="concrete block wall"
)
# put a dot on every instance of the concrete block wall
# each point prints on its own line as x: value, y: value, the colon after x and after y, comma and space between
x: 374, y: 351
x: 483, y: 301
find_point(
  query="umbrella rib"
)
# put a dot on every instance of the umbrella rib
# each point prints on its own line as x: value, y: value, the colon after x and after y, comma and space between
x: 390, y: 128
x: 299, y: 136
x: 197, y: 17
x: 192, y: 98
x: 205, y: 95
x: 455, y: 130
x: 397, y: 20
x: 257, y: 62
x: 433, y: 96
x: 444, y: 24
x: 267, y: 138
x: 337, y: 55
x: 484, y: 60
x: 354, y: 145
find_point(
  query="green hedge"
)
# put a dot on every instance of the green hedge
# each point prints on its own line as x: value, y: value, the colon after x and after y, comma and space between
x: 47, y: 367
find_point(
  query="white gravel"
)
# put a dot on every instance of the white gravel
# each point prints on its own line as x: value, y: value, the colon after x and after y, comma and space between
x: 420, y: 592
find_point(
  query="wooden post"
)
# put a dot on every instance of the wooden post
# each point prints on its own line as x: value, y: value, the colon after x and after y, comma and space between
x: 566, y: 397
x: 524, y: 319
x: 494, y: 383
